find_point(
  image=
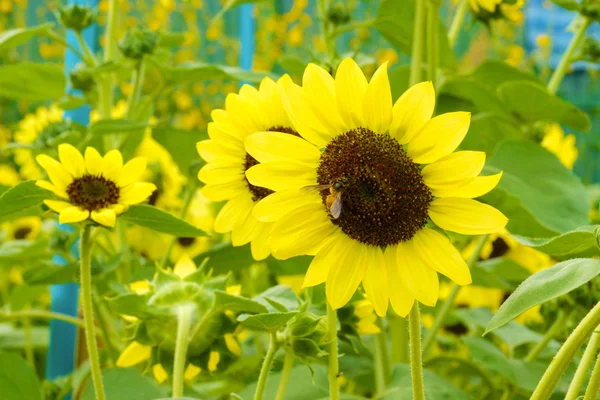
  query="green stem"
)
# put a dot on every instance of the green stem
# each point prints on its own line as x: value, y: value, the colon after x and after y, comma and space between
x: 334, y: 390
x: 52, y: 35
x: 548, y: 336
x: 457, y: 21
x: 352, y: 26
x: 44, y: 315
x: 88, y: 311
x: 507, y: 394
x: 136, y: 80
x: 584, y: 366
x: 184, y: 322
x: 89, y: 58
x: 399, y: 337
x: 382, y: 349
x: 594, y: 385
x: 266, y: 367
x: 432, y: 42
x: 419, y: 39
x: 123, y: 270
x: 416, y: 364
x: 566, y: 353
x: 288, y: 363
x: 28, y: 344
x: 325, y: 30
x: 567, y: 56
x: 104, y: 325
x: 449, y: 302
x: 378, y: 362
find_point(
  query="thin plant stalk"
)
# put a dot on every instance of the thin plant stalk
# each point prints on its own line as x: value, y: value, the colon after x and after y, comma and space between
x: 457, y: 21
x: 593, y: 388
x: 28, y: 344
x: 334, y: 390
x: 288, y: 363
x: 418, y: 42
x: 89, y: 58
x: 584, y: 366
x: 184, y: 322
x: 88, y: 311
x: 432, y: 41
x: 565, y: 355
x: 382, y: 348
x: 416, y: 362
x: 105, y: 88
x: 548, y: 336
x: 399, y: 338
x: 44, y: 315
x: 136, y: 81
x: 266, y: 367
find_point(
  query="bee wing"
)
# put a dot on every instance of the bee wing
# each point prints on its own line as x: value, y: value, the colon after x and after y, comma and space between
x: 336, y: 207
x: 314, y: 188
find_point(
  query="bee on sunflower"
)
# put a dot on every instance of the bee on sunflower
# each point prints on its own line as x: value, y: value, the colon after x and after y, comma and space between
x: 366, y: 185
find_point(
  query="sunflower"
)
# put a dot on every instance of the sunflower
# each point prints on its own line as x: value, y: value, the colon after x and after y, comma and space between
x: 561, y: 145
x: 93, y: 187
x: 486, y: 10
x: 245, y: 113
x: 352, y: 190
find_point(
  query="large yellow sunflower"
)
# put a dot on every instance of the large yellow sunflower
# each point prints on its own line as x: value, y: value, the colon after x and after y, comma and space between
x: 93, y: 187
x: 372, y: 220
x: 250, y: 111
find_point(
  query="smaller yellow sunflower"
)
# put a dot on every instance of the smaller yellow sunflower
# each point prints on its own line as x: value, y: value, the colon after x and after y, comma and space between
x: 93, y: 187
x: 561, y: 145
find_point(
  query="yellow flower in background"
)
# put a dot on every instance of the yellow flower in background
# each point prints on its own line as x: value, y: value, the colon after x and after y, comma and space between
x: 30, y: 127
x: 93, y: 187
x: 487, y: 5
x: 486, y: 10
x: 367, y: 320
x: 543, y: 40
x: 27, y: 228
x: 245, y: 113
x: 293, y: 281
x: 348, y: 192
x: 8, y: 175
x: 5, y: 136
x: 561, y: 145
x: 516, y: 54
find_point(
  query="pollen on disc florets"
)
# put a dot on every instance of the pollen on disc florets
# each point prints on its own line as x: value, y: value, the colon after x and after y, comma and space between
x: 93, y: 192
x: 259, y: 193
x: 385, y: 200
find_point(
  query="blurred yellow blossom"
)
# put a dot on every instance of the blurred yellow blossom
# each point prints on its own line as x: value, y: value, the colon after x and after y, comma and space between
x: 563, y: 146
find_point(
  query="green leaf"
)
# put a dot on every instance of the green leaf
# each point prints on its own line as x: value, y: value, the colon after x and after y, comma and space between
x: 50, y: 274
x: 545, y: 285
x: 580, y: 242
x: 33, y: 82
x: 181, y: 144
x: 292, y: 65
x: 487, y: 132
x: 282, y: 295
x: 226, y: 301
x: 125, y: 384
x: 224, y: 258
x: 21, y: 197
x: 115, y: 126
x: 270, y: 322
x: 533, y: 103
x: 198, y: 71
x: 504, y: 269
x: 395, y: 21
x: 493, y: 73
x: 435, y: 387
x: 24, y: 295
x: 160, y: 221
x: 24, y: 251
x: 571, y: 5
x: 132, y: 304
x: 537, y: 193
x: 17, y: 380
x: 483, y: 98
x: 171, y: 39
x: 15, y: 37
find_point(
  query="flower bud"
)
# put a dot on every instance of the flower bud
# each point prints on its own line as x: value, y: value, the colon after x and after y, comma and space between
x: 76, y: 17
x: 81, y: 79
x: 58, y: 132
x: 338, y: 14
x: 138, y: 43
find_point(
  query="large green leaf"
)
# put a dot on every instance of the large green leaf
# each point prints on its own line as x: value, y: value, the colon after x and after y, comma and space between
x: 20, y: 198
x: 17, y: 380
x: 483, y: 98
x: 181, y: 144
x: 160, y: 221
x: 270, y: 322
x: 545, y: 285
x: 537, y: 193
x: 226, y: 301
x: 533, y: 103
x: 15, y: 37
x: 487, y: 131
x: 24, y: 251
x: 492, y: 73
x: 125, y: 384
x: 395, y: 20
x: 33, y: 82
x: 435, y: 387
x: 580, y: 242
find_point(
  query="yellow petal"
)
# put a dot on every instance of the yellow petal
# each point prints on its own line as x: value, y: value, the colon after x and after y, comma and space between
x: 224, y: 191
x: 247, y: 115
x: 277, y: 204
x: 401, y: 298
x: 184, y: 267
x: 281, y: 175
x: 213, y: 361
x: 134, y: 354
x: 302, y: 231
x: 466, y: 216
x: 232, y: 344
x: 377, y: 107
x: 226, y: 136
x: 350, y: 88
x: 106, y: 217
x: 210, y: 151
x: 118, y: 208
x: 48, y: 186
x: 439, y: 137
x: 469, y: 188
x: 437, y: 252
x: 375, y: 281
x: 232, y: 212
x: 412, y: 110
x: 60, y: 177
x: 57, y: 205
x: 112, y: 165
x: 421, y: 280
x: 132, y: 171
x: 244, y: 229
x: 453, y: 168
x: 276, y: 146
x: 191, y: 372
x: 71, y: 159
x: 93, y: 161
x: 216, y: 172
x: 347, y: 271
x: 72, y: 214
x: 318, y: 269
x: 259, y: 245
x: 159, y: 373
x: 136, y: 193
x: 318, y: 87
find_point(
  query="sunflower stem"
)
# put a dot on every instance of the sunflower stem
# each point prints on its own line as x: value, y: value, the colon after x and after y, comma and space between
x: 567, y: 56
x: 42, y: 314
x: 432, y: 40
x: 416, y: 364
x: 565, y: 355
x: 266, y: 367
x: 326, y: 30
x: 593, y: 388
x: 416, y: 61
x: 334, y: 390
x: 449, y: 302
x: 89, y: 59
x: 399, y: 337
x: 457, y: 22
x: 548, y: 336
x: 584, y: 366
x: 27, y: 342
x: 88, y: 311
x: 288, y: 363
x: 106, y: 83
x: 136, y: 81
x: 184, y: 321
x: 384, y: 354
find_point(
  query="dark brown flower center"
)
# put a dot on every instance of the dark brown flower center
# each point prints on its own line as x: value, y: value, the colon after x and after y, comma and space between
x: 93, y: 192
x: 259, y: 193
x: 186, y: 241
x: 22, y: 232
x: 384, y: 199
